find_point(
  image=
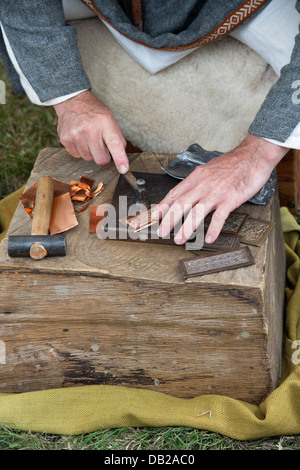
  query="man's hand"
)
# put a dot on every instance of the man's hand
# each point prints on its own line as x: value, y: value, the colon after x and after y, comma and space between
x: 221, y: 185
x: 88, y: 130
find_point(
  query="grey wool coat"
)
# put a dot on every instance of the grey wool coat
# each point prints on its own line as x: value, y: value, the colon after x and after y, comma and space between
x: 45, y: 46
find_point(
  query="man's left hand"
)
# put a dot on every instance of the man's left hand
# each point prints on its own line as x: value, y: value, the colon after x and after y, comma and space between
x: 221, y: 185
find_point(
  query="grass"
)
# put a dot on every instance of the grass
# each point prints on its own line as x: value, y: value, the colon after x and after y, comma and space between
x: 24, y: 130
x: 136, y: 439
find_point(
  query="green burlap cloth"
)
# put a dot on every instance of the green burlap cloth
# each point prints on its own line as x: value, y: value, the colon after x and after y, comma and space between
x: 78, y: 410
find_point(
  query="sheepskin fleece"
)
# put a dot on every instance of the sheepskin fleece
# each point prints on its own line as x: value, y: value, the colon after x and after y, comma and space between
x: 210, y: 97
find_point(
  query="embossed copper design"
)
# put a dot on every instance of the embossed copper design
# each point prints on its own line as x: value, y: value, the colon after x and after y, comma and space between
x: 233, y: 223
x: 224, y: 242
x: 255, y: 231
x: 140, y: 220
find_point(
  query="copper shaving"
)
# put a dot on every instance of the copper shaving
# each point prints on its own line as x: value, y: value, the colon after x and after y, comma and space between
x: 82, y: 190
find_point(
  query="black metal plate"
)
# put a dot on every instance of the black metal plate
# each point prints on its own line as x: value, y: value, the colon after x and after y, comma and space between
x: 157, y: 187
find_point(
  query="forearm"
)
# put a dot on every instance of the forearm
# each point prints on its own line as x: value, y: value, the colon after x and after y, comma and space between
x: 43, y: 50
x: 279, y: 114
x: 260, y: 150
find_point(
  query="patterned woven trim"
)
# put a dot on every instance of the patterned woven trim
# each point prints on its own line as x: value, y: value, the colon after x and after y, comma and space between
x: 233, y: 20
x: 237, y: 17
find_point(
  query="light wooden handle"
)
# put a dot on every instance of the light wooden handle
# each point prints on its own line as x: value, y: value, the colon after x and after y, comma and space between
x: 43, y: 206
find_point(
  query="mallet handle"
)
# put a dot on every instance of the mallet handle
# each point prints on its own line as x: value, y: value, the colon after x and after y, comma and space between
x: 43, y: 206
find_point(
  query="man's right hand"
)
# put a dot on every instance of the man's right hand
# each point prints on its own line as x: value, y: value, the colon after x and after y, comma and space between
x: 87, y: 129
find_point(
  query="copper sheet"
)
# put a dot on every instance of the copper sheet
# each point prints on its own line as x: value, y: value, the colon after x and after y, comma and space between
x: 140, y: 220
x: 62, y: 216
x: 28, y: 197
x: 69, y: 199
x: 255, y: 231
x: 97, y: 214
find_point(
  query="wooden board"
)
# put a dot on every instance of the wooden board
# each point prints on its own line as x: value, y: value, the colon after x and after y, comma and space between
x: 117, y: 312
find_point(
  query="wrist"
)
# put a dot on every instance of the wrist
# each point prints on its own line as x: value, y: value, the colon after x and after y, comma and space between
x: 264, y: 151
x: 73, y: 102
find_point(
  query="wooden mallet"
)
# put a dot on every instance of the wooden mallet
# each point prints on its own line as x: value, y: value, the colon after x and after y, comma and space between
x: 39, y: 244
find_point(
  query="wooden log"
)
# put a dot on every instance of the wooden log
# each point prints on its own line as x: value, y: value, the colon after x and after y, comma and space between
x: 120, y: 313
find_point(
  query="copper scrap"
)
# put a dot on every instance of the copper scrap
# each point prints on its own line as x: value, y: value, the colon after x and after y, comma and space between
x: 69, y: 199
x: 140, y: 220
x: 62, y: 216
x: 82, y: 190
x: 28, y: 197
x: 97, y: 214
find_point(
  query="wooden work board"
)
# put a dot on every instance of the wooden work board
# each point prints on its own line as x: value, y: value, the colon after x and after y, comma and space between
x: 120, y: 313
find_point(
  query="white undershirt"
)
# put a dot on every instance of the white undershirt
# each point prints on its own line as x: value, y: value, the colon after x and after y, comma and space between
x: 271, y: 33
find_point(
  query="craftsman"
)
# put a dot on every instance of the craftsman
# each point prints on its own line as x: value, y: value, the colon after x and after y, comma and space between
x: 41, y: 57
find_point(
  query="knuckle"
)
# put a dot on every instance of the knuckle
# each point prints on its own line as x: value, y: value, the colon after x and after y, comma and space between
x: 85, y: 127
x: 73, y: 134
x: 105, y: 160
x: 87, y: 158
x: 172, y: 194
x: 107, y: 118
x: 219, y: 216
x: 163, y: 208
x: 102, y: 159
x: 199, y: 211
x: 65, y: 140
x: 113, y: 140
x: 180, y: 205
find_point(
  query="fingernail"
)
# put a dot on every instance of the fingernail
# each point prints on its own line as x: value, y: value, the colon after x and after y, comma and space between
x: 208, y: 239
x: 178, y: 240
x: 155, y: 214
x: 123, y: 169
